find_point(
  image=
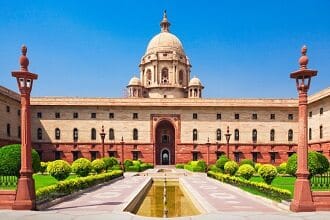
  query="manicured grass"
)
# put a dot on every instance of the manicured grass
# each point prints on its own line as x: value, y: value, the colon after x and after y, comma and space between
x: 283, y: 182
x: 47, y: 180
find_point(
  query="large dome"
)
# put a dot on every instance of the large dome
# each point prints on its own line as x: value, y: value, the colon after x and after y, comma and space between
x: 165, y: 41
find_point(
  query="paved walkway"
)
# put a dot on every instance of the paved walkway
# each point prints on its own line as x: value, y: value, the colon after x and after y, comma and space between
x: 220, y: 201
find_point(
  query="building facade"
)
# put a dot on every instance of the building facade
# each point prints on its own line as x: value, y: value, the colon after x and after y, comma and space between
x: 165, y: 120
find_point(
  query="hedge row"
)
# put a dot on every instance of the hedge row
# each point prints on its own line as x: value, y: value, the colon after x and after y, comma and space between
x: 67, y: 187
x: 136, y: 166
x: 271, y: 191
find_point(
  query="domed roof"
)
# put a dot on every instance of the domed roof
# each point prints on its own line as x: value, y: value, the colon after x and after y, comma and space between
x: 165, y: 41
x: 134, y: 81
x: 195, y: 82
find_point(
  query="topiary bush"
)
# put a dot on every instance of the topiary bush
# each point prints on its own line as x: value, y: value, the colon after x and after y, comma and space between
x: 316, y: 164
x: 43, y: 167
x: 246, y: 171
x: 268, y: 173
x: 214, y: 168
x: 98, y: 165
x: 10, y: 160
x: 221, y: 162
x: 128, y: 163
x: 59, y: 169
x: 257, y: 166
x: 231, y: 167
x: 110, y: 162
x: 247, y: 161
x: 82, y: 167
x: 281, y: 169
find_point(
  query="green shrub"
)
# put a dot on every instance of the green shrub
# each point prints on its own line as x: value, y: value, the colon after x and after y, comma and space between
x: 316, y: 164
x: 246, y: 171
x: 116, y: 167
x: 10, y: 160
x: 221, y: 162
x: 214, y: 168
x: 231, y: 167
x: 179, y: 166
x: 132, y: 169
x: 66, y: 187
x: 268, y: 173
x: 257, y: 166
x: 145, y: 166
x: 281, y: 169
x: 43, y: 167
x: 82, y: 167
x: 59, y: 169
x: 98, y: 165
x: 194, y: 168
x: 136, y: 163
x: 247, y: 161
x: 110, y: 162
x: 128, y: 163
x: 202, y: 165
x: 274, y: 192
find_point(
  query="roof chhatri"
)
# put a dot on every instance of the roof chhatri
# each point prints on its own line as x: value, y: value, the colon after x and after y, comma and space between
x: 165, y: 24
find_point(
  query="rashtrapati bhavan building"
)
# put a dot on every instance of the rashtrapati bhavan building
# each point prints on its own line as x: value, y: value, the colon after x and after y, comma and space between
x: 165, y: 120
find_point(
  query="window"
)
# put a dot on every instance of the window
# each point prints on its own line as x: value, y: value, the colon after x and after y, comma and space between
x: 135, y: 155
x: 19, y: 112
x: 75, y: 115
x: 255, y: 157
x: 272, y: 116
x: 236, y: 154
x: 57, y: 134
x: 75, y: 134
x: 236, y: 116
x: 57, y: 155
x: 219, y: 154
x: 195, y: 156
x: 39, y: 114
x: 93, y: 134
x: 254, y: 135
x: 39, y: 134
x: 57, y: 115
x: 111, y: 115
x: 195, y: 116
x: 290, y: 116
x: 180, y: 77
x: 164, y: 76
x: 19, y: 132
x: 272, y: 135
x: 310, y: 114
x: 218, y: 135
x: 310, y: 134
x: 236, y: 135
x: 272, y: 157
x: 75, y: 155
x: 8, y: 130
x: 254, y: 116
x: 218, y: 116
x: 135, y: 116
x: 321, y: 132
x: 195, y: 135
x: 8, y: 108
x: 93, y: 115
x: 148, y: 76
x: 93, y: 155
x: 111, y: 154
x: 290, y: 135
x: 135, y: 134
x: 111, y: 134
x: 321, y: 111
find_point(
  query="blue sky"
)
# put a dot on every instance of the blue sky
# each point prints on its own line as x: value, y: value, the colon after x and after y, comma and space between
x: 239, y: 49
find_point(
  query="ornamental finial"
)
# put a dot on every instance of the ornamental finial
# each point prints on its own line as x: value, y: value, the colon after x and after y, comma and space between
x: 23, y: 60
x: 303, y: 60
x: 164, y: 23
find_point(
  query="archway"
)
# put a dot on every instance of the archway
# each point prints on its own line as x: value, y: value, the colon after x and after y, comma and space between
x: 165, y: 143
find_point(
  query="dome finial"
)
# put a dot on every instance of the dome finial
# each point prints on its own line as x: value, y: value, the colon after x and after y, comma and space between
x: 164, y: 23
x: 303, y: 61
x: 23, y: 60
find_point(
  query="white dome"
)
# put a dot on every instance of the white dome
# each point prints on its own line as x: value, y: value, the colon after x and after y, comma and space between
x: 134, y: 81
x: 195, y: 82
x: 165, y: 41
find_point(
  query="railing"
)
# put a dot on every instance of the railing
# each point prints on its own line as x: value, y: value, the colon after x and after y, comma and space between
x: 321, y: 181
x: 8, y: 181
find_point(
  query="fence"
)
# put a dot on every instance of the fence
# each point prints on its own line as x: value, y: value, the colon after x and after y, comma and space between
x: 321, y: 181
x: 8, y: 181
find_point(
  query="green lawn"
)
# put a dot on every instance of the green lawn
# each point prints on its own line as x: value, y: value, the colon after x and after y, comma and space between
x: 283, y: 182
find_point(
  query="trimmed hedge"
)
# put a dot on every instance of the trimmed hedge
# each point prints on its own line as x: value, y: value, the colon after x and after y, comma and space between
x: 246, y: 171
x: 196, y: 166
x: 82, y: 167
x: 43, y: 167
x: 268, y: 173
x: 98, y: 165
x: 214, y: 168
x: 67, y: 187
x: 136, y: 166
x: 231, y: 167
x: 179, y: 166
x: 223, y: 159
x: 274, y: 192
x: 247, y: 161
x: 110, y: 162
x: 59, y: 169
x: 281, y: 169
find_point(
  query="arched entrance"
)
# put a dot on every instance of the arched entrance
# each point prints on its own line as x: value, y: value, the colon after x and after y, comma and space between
x: 165, y: 142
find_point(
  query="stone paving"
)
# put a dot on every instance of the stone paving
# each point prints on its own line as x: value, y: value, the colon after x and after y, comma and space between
x: 220, y: 201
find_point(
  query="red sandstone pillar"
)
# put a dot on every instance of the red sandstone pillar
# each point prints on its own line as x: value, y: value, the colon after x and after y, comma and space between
x: 25, y: 194
x: 122, y: 152
x: 302, y: 199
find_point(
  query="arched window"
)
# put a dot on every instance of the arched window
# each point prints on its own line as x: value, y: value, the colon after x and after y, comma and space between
x: 148, y: 76
x: 290, y: 135
x: 254, y: 135
x: 272, y: 135
x: 195, y: 135
x: 39, y: 134
x: 111, y: 134
x: 310, y: 134
x: 8, y: 130
x: 321, y: 132
x: 93, y: 134
x: 135, y: 134
x: 75, y: 134
x: 181, y: 77
x: 219, y: 134
x: 236, y: 135
x: 165, y: 75
x: 57, y: 134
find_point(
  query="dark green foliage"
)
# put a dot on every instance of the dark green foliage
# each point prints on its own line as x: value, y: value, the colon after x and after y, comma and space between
x: 43, y: 167
x: 59, y: 169
x: 110, y: 162
x: 179, y: 166
x: 82, y: 167
x: 214, y: 168
x: 128, y: 163
x: 132, y: 169
x: 10, y: 160
x: 268, y: 173
x: 196, y: 166
x: 281, y: 169
x: 221, y: 162
x: 324, y: 163
x: 145, y: 166
x: 247, y: 161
